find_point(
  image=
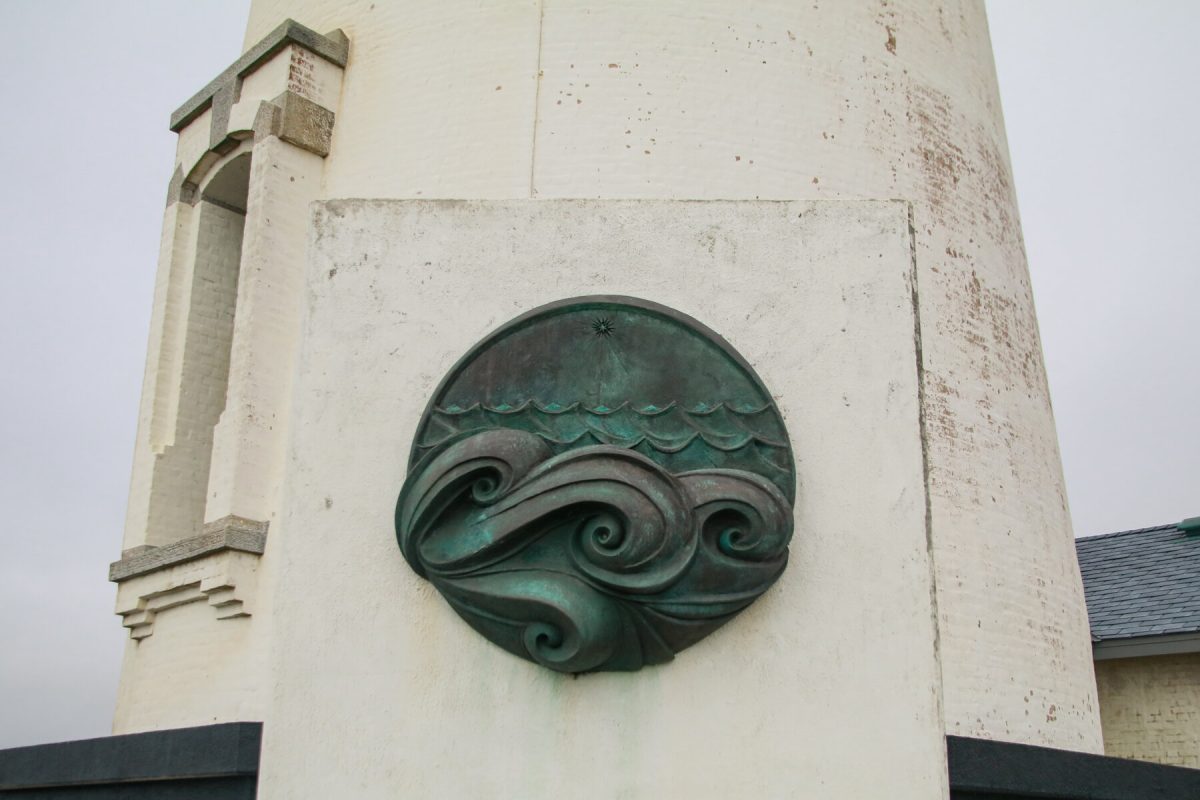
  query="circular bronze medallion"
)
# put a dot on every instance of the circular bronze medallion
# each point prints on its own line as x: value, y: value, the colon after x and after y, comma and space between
x: 599, y: 484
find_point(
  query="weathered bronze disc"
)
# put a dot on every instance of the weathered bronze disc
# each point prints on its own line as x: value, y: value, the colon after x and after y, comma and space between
x: 599, y: 484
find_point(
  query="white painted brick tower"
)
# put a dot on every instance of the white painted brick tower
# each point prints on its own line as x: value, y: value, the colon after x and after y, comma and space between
x: 374, y: 186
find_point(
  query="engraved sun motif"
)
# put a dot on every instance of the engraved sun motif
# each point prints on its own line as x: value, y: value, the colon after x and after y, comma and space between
x: 603, y: 326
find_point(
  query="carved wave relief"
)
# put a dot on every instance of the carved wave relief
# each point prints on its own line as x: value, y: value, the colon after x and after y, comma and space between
x: 717, y: 435
x: 599, y: 484
x: 594, y: 558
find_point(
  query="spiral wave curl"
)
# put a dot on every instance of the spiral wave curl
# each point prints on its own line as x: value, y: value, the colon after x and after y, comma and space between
x: 593, y: 559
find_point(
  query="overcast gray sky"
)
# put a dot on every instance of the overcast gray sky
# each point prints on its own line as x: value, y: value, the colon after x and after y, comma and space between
x: 1099, y: 99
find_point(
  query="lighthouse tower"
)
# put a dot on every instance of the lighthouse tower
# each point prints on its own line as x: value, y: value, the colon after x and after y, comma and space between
x: 815, y: 198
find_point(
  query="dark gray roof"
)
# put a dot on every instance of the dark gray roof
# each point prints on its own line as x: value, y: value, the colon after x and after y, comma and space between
x: 1143, y: 582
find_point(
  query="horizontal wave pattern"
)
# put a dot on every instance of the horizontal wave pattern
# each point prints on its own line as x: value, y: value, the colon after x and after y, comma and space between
x: 716, y: 435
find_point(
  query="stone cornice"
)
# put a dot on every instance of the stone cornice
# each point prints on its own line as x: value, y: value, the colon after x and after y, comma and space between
x: 334, y: 48
x: 227, y: 533
x: 1141, y: 646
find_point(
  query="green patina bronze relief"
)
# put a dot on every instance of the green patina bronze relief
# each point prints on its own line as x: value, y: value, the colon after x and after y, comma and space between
x: 599, y: 484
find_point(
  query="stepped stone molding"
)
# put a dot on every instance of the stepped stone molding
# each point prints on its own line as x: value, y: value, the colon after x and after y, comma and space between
x: 218, y: 567
x: 218, y: 592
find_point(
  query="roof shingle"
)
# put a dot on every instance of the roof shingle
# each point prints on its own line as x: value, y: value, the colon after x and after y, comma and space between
x: 1144, y: 582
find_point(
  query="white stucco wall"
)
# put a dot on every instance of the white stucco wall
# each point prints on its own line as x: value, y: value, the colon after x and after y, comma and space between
x: 727, y: 100
x: 828, y: 686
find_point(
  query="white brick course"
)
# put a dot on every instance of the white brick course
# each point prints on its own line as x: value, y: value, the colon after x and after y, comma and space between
x: 181, y: 469
x: 251, y: 438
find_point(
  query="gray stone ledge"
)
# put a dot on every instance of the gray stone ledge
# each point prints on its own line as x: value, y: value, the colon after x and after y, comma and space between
x: 227, y: 533
x: 1141, y: 646
x: 303, y: 123
x: 334, y: 48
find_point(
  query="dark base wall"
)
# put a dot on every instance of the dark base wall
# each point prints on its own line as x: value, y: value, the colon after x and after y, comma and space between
x: 220, y: 762
x: 213, y: 762
x: 984, y: 770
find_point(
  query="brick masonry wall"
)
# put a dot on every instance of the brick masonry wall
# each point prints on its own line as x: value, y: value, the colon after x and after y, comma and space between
x: 194, y: 669
x: 249, y: 442
x: 181, y: 471
x: 1150, y: 708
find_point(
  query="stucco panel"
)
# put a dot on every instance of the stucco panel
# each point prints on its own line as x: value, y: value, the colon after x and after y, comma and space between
x: 828, y: 685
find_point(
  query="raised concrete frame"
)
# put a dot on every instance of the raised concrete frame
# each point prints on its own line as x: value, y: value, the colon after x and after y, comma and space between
x: 819, y: 297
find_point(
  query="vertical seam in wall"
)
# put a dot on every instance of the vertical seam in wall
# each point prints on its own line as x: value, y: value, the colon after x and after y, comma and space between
x: 914, y: 295
x: 537, y: 94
